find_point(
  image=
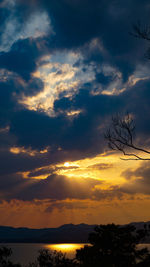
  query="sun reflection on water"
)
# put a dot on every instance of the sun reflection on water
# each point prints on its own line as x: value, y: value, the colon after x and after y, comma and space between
x: 67, y: 248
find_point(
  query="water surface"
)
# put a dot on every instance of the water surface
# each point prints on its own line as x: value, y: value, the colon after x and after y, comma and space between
x: 24, y: 253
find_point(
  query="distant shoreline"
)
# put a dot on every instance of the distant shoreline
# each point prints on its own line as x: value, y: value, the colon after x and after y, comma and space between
x: 68, y: 233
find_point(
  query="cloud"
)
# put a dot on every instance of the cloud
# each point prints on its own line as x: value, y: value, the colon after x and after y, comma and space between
x: 61, y: 76
x: 12, y: 87
x: 19, y: 59
x: 101, y: 166
x: 70, y: 205
x: 65, y: 68
x: 37, y: 24
x: 55, y: 187
x: 11, y: 163
x: 138, y: 180
x: 84, y: 132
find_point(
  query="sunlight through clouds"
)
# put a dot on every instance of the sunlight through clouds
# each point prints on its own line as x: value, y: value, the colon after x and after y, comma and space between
x: 29, y: 151
x: 60, y: 76
x: 102, y: 167
x: 66, y: 68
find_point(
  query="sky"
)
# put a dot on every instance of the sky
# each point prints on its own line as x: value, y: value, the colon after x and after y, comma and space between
x: 66, y: 67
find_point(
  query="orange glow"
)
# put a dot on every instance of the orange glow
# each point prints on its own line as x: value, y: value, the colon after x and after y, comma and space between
x: 102, y: 167
x: 74, y: 112
x: 66, y: 164
x: 67, y: 247
x: 30, y: 152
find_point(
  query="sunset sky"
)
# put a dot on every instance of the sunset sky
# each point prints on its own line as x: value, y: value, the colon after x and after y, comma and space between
x: 67, y: 66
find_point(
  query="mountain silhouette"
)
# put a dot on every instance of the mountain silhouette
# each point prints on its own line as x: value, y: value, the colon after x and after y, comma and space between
x: 68, y: 233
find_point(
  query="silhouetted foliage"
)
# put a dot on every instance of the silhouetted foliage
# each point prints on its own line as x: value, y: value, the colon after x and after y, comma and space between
x: 114, y: 246
x: 47, y: 258
x: 120, y: 133
x: 111, y: 246
x: 5, y: 254
x: 120, y: 136
x: 142, y: 31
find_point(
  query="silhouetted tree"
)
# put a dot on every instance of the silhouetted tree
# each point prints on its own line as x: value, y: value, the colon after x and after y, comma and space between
x: 114, y: 246
x: 111, y: 246
x: 142, y: 31
x: 120, y: 133
x: 5, y: 254
x: 47, y: 258
x: 120, y: 136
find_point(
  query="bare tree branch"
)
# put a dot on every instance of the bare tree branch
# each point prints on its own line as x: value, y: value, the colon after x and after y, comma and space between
x: 120, y: 137
x: 141, y: 31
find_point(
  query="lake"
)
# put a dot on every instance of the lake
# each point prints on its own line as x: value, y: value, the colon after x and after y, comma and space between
x: 24, y: 253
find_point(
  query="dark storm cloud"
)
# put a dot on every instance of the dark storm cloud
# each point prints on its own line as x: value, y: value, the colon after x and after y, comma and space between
x: 22, y: 36
x: 76, y: 24
x: 55, y: 187
x: 6, y: 102
x: 36, y: 173
x: 33, y: 87
x: 100, y: 107
x: 136, y: 101
x: 88, y: 19
x: 51, y: 169
x: 11, y: 163
x: 21, y: 59
x: 37, y: 130
x: 139, y: 185
x: 10, y: 91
